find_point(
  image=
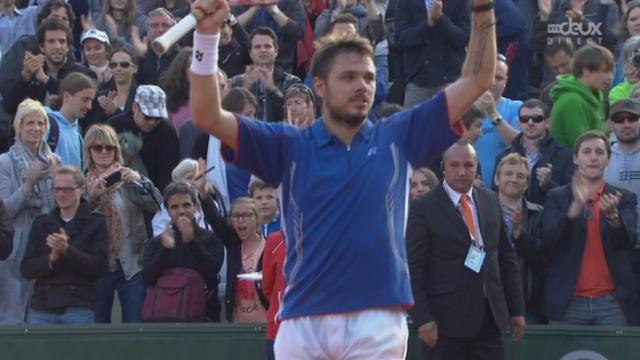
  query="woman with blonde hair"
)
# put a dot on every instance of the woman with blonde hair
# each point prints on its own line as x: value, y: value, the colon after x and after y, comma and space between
x: 108, y: 188
x: 244, y: 300
x: 26, y: 189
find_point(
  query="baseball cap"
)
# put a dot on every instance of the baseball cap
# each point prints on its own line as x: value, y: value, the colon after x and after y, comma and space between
x: 625, y: 106
x: 152, y: 101
x: 96, y: 35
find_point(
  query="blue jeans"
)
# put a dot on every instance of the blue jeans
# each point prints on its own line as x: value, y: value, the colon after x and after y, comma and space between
x: 602, y: 310
x: 69, y: 316
x: 130, y: 292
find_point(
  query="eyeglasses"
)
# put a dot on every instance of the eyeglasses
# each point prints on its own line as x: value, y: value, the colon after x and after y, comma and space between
x: 620, y: 119
x: 64, y: 190
x: 501, y: 57
x: 242, y: 216
x: 536, y: 118
x: 101, y: 148
x: 122, y: 64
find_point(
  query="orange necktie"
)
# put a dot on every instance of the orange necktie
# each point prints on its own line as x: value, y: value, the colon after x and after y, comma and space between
x: 467, y: 213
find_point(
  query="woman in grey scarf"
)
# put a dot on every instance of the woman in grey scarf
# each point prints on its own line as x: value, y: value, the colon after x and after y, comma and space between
x: 25, y: 187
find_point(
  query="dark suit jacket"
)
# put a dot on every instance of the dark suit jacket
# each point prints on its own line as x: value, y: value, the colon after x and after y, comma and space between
x: 553, y: 153
x: 444, y: 289
x: 564, y: 241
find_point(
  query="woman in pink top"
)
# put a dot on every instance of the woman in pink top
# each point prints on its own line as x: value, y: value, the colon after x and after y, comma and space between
x: 175, y: 83
x: 244, y: 300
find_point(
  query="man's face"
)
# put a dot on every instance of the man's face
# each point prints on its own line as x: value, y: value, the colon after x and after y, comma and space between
x: 533, y: 123
x: 180, y: 205
x: 344, y: 29
x: 500, y: 80
x: 79, y: 104
x: 626, y: 126
x: 60, y: 13
x: 55, y: 46
x: 597, y: 80
x: 66, y: 192
x: 460, y: 167
x: 592, y: 159
x: 559, y: 63
x: 347, y: 92
x: 512, y: 180
x: 263, y: 50
x: 267, y: 203
x: 158, y: 25
x: 145, y: 123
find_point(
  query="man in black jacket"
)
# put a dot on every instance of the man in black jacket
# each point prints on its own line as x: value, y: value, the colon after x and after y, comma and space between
x: 464, y: 274
x: 153, y: 65
x: 185, y: 245
x: 433, y: 43
x: 148, y: 121
x: 523, y: 220
x: 551, y: 164
x: 266, y: 81
x: 66, y: 255
x: 6, y: 233
x: 41, y: 73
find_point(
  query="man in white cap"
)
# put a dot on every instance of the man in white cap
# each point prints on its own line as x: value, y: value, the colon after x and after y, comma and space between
x: 147, y: 120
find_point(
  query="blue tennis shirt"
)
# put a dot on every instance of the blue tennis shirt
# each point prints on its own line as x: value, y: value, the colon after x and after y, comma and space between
x: 344, y: 207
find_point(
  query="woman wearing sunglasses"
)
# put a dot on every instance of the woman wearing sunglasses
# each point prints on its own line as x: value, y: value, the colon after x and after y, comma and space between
x: 106, y: 191
x: 118, y: 96
x: 26, y: 189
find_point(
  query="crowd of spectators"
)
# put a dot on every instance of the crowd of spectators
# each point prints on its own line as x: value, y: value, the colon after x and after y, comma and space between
x: 96, y: 124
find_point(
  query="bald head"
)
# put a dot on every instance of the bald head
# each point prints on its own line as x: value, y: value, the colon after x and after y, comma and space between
x: 460, y: 165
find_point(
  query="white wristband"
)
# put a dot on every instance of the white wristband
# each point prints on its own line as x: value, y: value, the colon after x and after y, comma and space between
x: 205, y: 54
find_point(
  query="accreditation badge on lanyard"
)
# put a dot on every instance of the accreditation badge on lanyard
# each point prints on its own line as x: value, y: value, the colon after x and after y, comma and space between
x: 475, y: 258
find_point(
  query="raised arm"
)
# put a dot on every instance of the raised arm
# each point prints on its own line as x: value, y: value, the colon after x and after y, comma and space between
x: 479, y: 66
x: 206, y: 108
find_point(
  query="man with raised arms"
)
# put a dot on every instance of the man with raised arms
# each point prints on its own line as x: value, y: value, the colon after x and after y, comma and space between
x: 343, y: 186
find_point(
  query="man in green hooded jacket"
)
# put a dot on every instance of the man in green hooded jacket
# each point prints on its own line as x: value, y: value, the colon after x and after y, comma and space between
x: 578, y: 97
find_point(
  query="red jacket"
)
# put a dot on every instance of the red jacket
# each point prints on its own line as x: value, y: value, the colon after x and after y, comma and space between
x: 273, y: 281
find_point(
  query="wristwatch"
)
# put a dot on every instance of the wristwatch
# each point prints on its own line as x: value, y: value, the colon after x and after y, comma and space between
x: 613, y: 217
x: 496, y: 121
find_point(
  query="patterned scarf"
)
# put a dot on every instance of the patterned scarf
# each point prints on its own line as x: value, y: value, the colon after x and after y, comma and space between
x: 40, y: 201
x: 102, y: 72
x: 108, y: 207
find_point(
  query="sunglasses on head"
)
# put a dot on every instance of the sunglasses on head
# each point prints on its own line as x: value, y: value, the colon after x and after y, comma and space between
x: 101, y: 148
x: 536, y: 118
x: 619, y: 119
x: 123, y: 64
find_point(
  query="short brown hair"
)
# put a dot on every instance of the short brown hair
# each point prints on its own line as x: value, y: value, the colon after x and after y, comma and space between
x: 343, y: 18
x: 513, y: 159
x: 480, y: 109
x: 592, y: 57
x: 329, y: 47
x: 53, y: 24
x: 592, y: 134
x: 535, y: 104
